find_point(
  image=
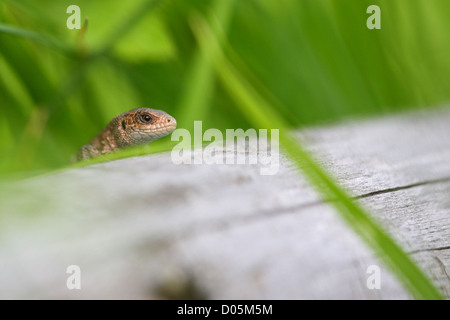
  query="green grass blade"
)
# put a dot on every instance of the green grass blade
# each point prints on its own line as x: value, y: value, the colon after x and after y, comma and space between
x: 35, y: 37
x: 200, y: 79
x: 262, y: 115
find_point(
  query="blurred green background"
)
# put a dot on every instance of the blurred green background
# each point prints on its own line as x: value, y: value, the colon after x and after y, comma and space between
x: 315, y: 60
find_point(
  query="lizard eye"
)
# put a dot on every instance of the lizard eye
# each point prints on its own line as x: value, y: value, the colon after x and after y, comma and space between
x: 145, y: 118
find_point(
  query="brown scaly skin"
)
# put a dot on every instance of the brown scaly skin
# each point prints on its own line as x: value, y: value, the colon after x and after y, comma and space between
x: 128, y: 129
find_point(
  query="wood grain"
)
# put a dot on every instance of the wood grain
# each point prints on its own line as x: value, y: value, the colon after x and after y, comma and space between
x: 146, y: 228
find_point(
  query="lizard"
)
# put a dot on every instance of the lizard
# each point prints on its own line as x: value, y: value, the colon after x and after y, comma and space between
x: 131, y: 128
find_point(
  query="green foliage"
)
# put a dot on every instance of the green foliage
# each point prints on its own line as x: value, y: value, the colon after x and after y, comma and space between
x: 279, y: 64
x: 315, y: 59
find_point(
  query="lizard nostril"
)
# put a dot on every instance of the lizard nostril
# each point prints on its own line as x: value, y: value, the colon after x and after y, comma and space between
x: 168, y: 120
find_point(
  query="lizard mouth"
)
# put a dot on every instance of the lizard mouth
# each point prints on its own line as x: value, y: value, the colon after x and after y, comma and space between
x: 171, y: 122
x: 168, y: 124
x: 161, y: 128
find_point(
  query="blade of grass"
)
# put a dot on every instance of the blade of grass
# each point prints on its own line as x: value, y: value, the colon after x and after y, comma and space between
x: 36, y: 37
x: 15, y: 87
x: 200, y: 79
x: 262, y: 115
x: 154, y: 147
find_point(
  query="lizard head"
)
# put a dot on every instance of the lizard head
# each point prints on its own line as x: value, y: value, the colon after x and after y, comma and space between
x: 145, y: 125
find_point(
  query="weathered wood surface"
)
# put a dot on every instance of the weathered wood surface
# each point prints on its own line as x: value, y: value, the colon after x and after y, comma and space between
x: 146, y: 228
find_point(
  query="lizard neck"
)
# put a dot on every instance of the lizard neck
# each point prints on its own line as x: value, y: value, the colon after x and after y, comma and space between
x: 109, y: 140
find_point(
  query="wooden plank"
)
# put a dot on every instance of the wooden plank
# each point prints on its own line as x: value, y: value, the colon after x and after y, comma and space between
x: 146, y: 228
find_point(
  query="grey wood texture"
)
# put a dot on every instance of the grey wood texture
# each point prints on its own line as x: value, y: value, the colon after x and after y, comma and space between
x: 146, y: 228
